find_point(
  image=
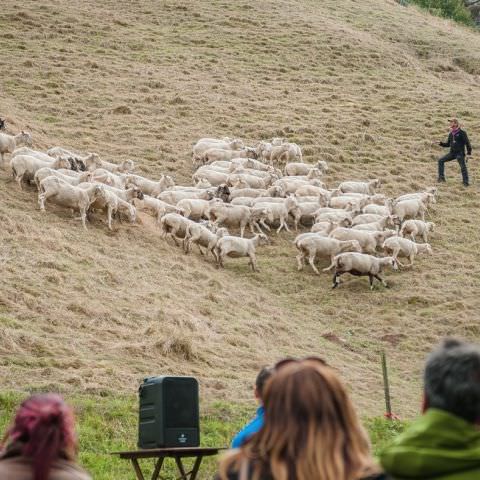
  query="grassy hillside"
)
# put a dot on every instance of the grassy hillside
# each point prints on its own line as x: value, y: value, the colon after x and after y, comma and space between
x: 367, y: 86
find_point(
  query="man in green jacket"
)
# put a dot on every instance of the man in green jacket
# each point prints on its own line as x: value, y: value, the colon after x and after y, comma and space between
x: 444, y: 444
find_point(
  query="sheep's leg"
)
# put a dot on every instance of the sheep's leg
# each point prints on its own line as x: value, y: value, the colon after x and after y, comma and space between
x: 83, y: 216
x: 380, y: 279
x: 253, y: 262
x: 242, y: 230
x: 300, y: 261
x: 336, y: 277
x: 41, y: 201
x: 220, y: 259
x: 424, y: 236
x: 200, y: 250
x: 19, y: 180
x: 311, y: 261
x: 370, y: 279
x: 412, y: 236
x: 264, y: 225
x: 109, y: 217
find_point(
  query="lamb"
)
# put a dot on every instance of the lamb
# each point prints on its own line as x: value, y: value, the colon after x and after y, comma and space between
x: 62, y: 193
x: 231, y: 215
x: 292, y: 169
x: 8, y: 143
x: 205, y: 144
x: 232, y: 246
x: 367, y: 218
x: 416, y: 227
x: 318, y: 246
x: 280, y: 211
x: 360, y: 264
x: 155, y: 206
x: 47, y: 172
x: 263, y: 151
x: 340, y: 216
x: 286, y: 152
x: 202, y: 237
x: 313, y: 190
x: 175, y: 226
x: 150, y: 187
x: 196, y: 208
x: 24, y: 167
x: 126, y: 166
x: 174, y: 196
x: 426, y: 197
x: 410, y: 208
x: 306, y: 212
x: 347, y: 202
x: 402, y: 247
x: 369, y: 241
x: 360, y: 187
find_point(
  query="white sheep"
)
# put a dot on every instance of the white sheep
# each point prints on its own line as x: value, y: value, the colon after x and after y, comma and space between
x: 273, y: 191
x: 369, y: 241
x: 8, y: 143
x: 360, y: 264
x: 324, y: 228
x: 205, y: 144
x: 33, y: 153
x: 230, y: 246
x: 114, y: 204
x: 296, y: 168
x: 48, y: 172
x: 408, y: 196
x: 315, y: 246
x: 175, y: 226
x: 202, y: 237
x: 214, y: 177
x: 219, y: 154
x: 403, y: 247
x: 252, y: 181
x: 109, y: 178
x: 285, y: 153
x: 280, y: 211
x: 196, y: 208
x: 426, y: 197
x: 155, y: 206
x: 150, y: 187
x: 290, y: 185
x: 231, y: 215
x: 367, y: 188
x: 174, y: 196
x: 70, y: 196
x: 24, y: 167
x: 389, y: 221
x: 416, y: 227
x: 385, y: 209
x: 410, y: 209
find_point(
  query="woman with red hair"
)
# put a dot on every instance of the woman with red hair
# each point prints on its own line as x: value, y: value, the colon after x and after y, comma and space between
x: 41, y: 444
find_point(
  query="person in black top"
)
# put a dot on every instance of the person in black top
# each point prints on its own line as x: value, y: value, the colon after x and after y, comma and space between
x: 457, y: 141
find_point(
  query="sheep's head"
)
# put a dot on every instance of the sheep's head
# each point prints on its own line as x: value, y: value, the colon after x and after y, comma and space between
x: 262, y: 238
x: 322, y: 165
x: 236, y: 144
x: 278, y: 141
x: 137, y: 193
x: 99, y: 191
x: 251, y: 153
x: 221, y: 232
x: 430, y: 226
x: 128, y: 165
x: 63, y: 163
x: 132, y: 213
x: 25, y: 138
x: 426, y: 248
x: 210, y: 193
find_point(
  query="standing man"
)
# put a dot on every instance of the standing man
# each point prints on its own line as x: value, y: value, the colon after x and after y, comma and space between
x: 457, y: 141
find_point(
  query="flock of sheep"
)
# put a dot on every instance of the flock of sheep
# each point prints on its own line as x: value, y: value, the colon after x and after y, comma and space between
x: 238, y: 187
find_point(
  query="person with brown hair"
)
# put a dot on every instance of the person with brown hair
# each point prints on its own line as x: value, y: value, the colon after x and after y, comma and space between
x: 41, y: 444
x: 311, y: 431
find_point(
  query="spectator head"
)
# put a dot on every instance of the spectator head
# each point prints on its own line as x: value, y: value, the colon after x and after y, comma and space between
x: 452, y: 379
x: 44, y: 430
x: 311, y: 429
x: 263, y: 375
x: 453, y: 123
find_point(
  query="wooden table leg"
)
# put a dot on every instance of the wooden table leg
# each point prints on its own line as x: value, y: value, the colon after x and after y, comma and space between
x: 180, y: 467
x: 158, y: 467
x: 196, y: 466
x: 137, y: 469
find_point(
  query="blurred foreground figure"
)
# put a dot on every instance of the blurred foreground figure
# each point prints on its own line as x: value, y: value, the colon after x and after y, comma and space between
x: 311, y: 431
x: 41, y: 443
x: 444, y: 444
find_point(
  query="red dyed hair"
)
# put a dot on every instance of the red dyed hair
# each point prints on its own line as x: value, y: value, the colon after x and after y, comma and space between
x: 44, y: 427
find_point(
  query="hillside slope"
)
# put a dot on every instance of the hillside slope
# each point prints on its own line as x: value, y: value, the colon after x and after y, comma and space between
x: 366, y: 85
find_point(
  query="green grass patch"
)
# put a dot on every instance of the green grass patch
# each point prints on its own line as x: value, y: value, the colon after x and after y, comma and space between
x: 109, y: 424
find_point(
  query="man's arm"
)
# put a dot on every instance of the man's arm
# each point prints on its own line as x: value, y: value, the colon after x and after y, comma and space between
x: 447, y: 143
x: 467, y: 144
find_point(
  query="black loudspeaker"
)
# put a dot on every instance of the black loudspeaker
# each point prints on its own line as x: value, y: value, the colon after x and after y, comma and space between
x: 169, y: 413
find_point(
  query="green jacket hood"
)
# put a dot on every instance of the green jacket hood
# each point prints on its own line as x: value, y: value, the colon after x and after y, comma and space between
x: 437, y: 445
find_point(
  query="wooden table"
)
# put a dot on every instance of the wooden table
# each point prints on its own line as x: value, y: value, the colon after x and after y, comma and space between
x: 176, y: 453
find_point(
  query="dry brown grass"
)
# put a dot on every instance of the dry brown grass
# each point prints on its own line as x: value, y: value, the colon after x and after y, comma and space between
x: 366, y: 85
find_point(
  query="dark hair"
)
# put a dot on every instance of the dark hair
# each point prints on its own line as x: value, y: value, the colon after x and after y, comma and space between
x: 263, y: 375
x: 452, y: 379
x: 44, y: 427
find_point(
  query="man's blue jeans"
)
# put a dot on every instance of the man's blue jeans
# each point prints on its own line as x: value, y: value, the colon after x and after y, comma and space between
x: 460, y: 157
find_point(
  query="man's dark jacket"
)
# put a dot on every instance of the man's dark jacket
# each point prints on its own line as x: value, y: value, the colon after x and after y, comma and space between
x: 457, y: 142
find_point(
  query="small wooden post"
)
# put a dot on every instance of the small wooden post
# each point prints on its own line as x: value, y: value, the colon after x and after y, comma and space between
x: 386, y: 387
